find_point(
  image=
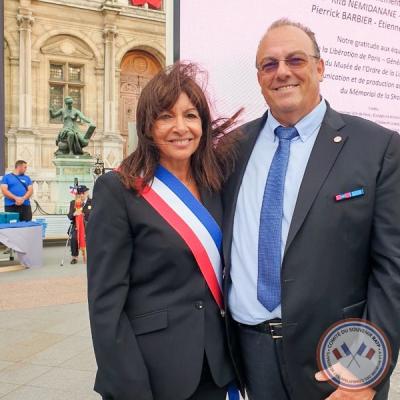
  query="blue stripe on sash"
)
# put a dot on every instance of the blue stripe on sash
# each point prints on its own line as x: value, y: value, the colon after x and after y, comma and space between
x: 233, y: 392
x: 191, y: 202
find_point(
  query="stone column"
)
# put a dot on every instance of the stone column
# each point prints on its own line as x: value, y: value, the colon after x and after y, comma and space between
x: 25, y: 22
x: 110, y: 120
x: 111, y: 142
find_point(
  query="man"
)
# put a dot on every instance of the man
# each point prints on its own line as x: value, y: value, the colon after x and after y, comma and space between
x: 17, y: 190
x: 298, y: 260
x: 82, y: 205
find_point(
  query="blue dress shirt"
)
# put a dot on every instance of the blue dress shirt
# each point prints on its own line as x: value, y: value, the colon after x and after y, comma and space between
x: 243, y: 302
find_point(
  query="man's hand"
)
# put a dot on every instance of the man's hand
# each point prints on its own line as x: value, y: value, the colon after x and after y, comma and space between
x: 19, y: 201
x: 342, y: 394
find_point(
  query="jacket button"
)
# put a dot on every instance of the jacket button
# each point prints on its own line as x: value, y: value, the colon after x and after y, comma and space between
x: 199, y: 305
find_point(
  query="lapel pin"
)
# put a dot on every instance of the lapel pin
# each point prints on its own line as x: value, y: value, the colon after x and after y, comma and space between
x: 349, y: 195
x: 337, y: 139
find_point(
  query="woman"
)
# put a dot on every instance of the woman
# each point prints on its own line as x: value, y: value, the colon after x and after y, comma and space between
x: 79, y: 211
x: 154, y: 270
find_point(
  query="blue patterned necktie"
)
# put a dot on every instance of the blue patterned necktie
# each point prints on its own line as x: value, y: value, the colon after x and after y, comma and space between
x: 270, y: 233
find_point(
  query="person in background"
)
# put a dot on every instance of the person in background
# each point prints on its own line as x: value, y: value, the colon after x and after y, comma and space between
x: 311, y: 230
x: 79, y: 211
x: 17, y: 190
x: 154, y: 241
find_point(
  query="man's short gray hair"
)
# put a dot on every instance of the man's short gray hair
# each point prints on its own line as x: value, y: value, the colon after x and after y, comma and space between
x: 287, y: 22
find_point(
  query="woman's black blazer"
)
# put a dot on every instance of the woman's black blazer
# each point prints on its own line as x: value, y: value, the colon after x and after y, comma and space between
x: 152, y: 315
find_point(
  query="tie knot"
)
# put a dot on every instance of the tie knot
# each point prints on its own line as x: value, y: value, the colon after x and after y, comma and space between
x: 286, y: 133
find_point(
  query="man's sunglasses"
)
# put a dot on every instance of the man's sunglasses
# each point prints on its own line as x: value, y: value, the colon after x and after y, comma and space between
x: 295, y: 61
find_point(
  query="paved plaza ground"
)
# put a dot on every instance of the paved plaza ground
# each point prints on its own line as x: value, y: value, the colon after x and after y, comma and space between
x: 45, y: 346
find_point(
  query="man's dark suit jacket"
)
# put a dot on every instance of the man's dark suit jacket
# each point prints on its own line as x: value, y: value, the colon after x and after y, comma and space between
x: 86, y: 210
x: 152, y: 315
x: 342, y: 259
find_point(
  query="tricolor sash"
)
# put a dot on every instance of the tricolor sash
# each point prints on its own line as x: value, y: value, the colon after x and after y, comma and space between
x: 193, y: 223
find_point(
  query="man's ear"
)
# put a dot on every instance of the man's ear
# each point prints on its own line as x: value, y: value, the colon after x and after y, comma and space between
x: 321, y: 69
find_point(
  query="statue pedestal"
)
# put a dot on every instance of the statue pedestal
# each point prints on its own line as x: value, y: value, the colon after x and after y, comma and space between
x: 67, y: 169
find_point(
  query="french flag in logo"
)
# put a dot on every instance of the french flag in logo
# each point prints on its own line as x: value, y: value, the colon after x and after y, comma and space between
x: 336, y: 352
x: 369, y: 354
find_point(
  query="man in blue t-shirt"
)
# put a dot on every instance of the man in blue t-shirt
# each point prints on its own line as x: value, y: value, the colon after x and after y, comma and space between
x: 17, y: 190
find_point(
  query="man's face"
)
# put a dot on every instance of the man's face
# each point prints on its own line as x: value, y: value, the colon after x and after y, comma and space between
x: 290, y: 92
x: 21, y: 169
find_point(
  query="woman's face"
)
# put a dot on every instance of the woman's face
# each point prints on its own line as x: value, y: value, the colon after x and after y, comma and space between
x: 177, y: 132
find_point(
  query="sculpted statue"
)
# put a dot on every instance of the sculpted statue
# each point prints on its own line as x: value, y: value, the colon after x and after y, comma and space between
x: 70, y: 139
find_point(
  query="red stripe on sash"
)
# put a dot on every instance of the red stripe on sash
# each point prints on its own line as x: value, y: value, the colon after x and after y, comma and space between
x: 186, y: 233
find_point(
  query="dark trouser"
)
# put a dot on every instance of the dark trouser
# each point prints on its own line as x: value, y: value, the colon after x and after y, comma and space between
x: 25, y: 212
x: 264, y: 368
x: 74, y: 242
x: 207, y: 389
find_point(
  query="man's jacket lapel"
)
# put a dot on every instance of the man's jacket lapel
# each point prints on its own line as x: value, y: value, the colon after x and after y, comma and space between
x: 322, y: 159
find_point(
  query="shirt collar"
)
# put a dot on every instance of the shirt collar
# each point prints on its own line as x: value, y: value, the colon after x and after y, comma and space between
x: 307, y: 126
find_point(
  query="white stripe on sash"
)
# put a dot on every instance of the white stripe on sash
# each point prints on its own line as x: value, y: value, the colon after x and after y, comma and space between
x: 193, y: 222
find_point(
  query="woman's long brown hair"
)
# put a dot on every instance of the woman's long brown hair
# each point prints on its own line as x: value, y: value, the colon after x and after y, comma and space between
x: 213, y: 160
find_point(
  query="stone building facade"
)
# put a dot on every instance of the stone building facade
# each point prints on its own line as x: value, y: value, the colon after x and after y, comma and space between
x: 99, y: 52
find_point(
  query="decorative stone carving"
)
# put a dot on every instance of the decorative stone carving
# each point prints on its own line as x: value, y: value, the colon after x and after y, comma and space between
x: 26, y: 154
x: 111, y: 158
x: 110, y: 32
x: 70, y: 47
x: 25, y: 21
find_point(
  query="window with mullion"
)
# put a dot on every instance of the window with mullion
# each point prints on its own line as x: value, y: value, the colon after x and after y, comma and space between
x: 66, y: 79
x: 56, y: 72
x: 75, y: 73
